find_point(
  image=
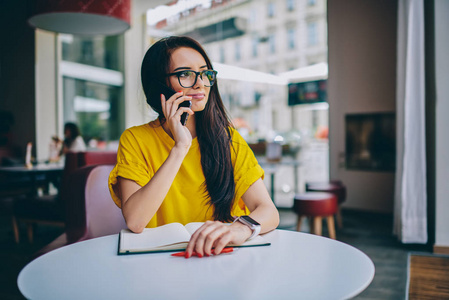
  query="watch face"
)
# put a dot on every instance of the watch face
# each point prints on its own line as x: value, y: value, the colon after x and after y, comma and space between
x: 250, y: 220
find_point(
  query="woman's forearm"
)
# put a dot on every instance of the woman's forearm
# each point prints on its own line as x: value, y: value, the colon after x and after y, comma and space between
x: 267, y: 216
x: 141, y: 206
x: 261, y: 206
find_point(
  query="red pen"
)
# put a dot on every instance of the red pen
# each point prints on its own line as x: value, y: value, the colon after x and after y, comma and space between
x: 183, y: 253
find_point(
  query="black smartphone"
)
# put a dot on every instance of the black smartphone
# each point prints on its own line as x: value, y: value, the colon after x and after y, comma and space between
x: 168, y: 92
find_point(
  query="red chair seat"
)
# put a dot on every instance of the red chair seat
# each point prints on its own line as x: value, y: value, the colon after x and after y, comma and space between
x: 315, y: 204
x: 337, y: 189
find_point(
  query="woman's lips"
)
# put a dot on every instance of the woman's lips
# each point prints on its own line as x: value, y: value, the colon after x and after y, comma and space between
x: 197, y: 96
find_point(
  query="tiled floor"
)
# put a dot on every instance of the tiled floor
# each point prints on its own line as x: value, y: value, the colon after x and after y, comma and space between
x: 369, y: 232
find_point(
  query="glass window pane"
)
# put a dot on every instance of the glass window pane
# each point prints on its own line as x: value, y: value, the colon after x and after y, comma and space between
x: 255, y: 43
x: 99, y: 51
x: 312, y: 34
x: 96, y: 108
x: 272, y: 42
x: 271, y: 9
x: 291, y: 38
x: 237, y: 51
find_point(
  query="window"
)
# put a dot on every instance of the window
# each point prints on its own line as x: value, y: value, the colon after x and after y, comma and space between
x: 290, y: 5
x: 271, y: 9
x: 253, y: 16
x: 312, y: 34
x: 237, y: 51
x: 94, y: 107
x: 272, y: 42
x: 102, y: 51
x: 92, y: 70
x: 291, y: 39
x: 255, y: 44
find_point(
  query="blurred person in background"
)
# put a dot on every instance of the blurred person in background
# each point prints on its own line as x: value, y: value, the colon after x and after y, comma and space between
x: 73, y: 141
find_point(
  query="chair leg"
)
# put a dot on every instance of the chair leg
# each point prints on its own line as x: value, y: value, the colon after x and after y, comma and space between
x: 331, y: 227
x: 339, y: 218
x: 317, y: 225
x: 15, y: 228
x: 30, y: 232
x: 298, y: 225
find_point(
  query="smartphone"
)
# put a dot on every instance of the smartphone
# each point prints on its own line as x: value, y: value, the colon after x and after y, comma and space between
x: 168, y: 92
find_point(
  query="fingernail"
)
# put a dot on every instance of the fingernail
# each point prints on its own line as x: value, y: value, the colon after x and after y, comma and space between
x: 187, y: 255
x: 199, y: 255
x: 180, y: 92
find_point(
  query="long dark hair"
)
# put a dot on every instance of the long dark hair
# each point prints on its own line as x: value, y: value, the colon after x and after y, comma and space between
x: 74, y: 133
x: 212, y: 124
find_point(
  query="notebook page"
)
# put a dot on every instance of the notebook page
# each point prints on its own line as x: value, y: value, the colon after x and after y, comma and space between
x: 155, y: 237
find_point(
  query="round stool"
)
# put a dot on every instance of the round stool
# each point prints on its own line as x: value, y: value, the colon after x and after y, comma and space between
x: 335, y: 187
x: 316, y: 206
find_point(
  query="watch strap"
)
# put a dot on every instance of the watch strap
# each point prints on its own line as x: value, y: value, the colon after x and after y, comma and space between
x: 254, y: 228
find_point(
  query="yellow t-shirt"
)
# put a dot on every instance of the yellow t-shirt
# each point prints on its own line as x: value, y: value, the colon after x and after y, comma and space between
x: 143, y: 149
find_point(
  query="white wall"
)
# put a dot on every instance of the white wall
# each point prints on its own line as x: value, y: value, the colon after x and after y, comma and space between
x: 362, y: 78
x: 47, y: 108
x: 442, y: 122
x: 137, y: 110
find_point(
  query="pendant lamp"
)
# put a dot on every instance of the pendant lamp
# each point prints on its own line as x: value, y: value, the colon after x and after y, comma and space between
x: 82, y: 17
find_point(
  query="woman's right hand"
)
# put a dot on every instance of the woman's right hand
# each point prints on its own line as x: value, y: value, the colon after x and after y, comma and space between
x: 172, y: 113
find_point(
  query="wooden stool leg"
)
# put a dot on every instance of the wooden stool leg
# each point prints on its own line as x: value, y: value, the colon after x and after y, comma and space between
x: 339, y: 218
x: 30, y: 232
x: 298, y: 225
x: 317, y: 228
x: 15, y: 229
x: 331, y: 227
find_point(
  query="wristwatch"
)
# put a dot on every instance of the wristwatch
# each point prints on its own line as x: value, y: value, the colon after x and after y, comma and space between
x: 251, y: 223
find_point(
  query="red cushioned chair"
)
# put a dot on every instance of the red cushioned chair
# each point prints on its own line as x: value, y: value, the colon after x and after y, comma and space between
x: 51, y: 209
x: 316, y: 206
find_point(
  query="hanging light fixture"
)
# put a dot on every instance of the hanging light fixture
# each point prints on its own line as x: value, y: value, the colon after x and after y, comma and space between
x: 82, y: 17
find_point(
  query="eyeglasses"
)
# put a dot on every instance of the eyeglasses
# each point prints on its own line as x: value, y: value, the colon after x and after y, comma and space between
x: 188, y: 78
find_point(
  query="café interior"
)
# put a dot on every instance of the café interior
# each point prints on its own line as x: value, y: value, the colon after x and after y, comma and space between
x: 390, y: 63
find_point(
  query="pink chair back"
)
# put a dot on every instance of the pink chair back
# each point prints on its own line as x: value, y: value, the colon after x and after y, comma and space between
x: 103, y: 217
x: 91, y: 211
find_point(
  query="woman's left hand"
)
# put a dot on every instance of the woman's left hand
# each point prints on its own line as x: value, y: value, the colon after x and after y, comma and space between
x: 216, y: 235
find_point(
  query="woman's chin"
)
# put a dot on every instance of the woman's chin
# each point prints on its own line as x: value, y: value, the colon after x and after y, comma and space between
x: 198, y: 106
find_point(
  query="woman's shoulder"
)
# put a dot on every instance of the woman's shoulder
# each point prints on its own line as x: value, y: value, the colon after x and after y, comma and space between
x: 235, y: 135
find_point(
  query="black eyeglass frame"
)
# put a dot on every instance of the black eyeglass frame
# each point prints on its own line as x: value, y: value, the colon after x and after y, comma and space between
x: 196, y: 77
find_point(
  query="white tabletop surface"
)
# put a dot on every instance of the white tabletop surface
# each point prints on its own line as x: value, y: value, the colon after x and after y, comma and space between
x: 295, y: 266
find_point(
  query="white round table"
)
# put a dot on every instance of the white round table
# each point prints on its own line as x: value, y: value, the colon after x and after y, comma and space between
x: 295, y: 266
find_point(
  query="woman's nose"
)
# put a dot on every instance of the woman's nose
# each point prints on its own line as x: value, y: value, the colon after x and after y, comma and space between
x: 199, y: 82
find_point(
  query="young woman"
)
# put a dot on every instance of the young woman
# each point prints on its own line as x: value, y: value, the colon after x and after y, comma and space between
x: 73, y: 141
x: 201, y: 172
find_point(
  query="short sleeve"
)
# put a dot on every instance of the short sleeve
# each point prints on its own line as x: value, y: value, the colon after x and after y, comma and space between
x: 246, y: 167
x: 130, y: 165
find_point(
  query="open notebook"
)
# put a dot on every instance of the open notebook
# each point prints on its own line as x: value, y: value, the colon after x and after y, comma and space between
x: 170, y: 237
